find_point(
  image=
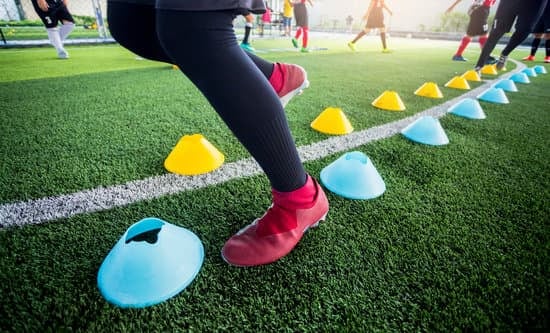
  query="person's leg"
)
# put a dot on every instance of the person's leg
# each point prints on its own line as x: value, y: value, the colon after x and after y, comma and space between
x: 461, y: 47
x: 547, y: 47
x: 528, y: 16
x: 223, y: 73
x: 504, y: 19
x: 305, y: 38
x: 534, y: 47
x: 67, y: 22
x: 133, y: 26
x: 360, y: 35
x: 383, y: 39
x: 297, y: 36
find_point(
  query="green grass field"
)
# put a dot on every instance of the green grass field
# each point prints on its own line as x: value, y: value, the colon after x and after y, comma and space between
x: 460, y: 240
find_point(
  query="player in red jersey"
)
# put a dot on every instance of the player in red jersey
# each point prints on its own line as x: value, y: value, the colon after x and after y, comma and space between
x: 302, y: 23
x: 477, y: 26
x: 375, y: 20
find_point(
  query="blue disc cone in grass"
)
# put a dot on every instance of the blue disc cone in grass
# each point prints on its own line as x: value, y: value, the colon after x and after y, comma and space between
x: 540, y: 69
x: 353, y: 176
x: 520, y: 78
x: 529, y: 72
x: 152, y: 262
x: 506, y: 85
x: 494, y: 95
x: 426, y: 130
x: 468, y: 108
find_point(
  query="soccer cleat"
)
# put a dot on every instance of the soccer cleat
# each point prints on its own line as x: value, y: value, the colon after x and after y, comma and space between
x: 547, y: 59
x: 248, y: 47
x: 304, y: 50
x: 501, y: 62
x: 351, y: 45
x: 63, y: 54
x: 459, y: 58
x: 529, y: 58
x: 294, y: 82
x: 279, y: 230
x: 294, y: 42
x: 491, y: 60
x: 477, y: 69
x: 386, y: 51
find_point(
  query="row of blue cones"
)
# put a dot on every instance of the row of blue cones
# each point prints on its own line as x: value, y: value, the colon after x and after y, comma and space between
x: 155, y: 260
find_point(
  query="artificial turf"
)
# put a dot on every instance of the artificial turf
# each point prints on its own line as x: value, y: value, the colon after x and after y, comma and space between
x: 459, y: 241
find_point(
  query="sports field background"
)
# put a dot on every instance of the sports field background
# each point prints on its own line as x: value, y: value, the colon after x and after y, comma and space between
x: 459, y: 241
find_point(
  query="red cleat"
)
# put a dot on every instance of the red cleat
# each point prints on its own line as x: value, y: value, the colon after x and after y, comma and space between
x: 529, y: 58
x: 277, y: 232
x: 294, y: 79
x: 547, y: 59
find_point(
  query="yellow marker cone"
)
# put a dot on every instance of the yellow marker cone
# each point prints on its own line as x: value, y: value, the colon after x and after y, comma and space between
x: 332, y: 121
x: 175, y: 67
x: 471, y: 75
x: 489, y: 69
x: 458, y: 82
x: 193, y: 155
x: 389, y: 100
x: 430, y: 90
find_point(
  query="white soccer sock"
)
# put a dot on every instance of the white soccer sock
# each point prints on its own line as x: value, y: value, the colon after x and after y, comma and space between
x: 66, y: 29
x: 55, y: 38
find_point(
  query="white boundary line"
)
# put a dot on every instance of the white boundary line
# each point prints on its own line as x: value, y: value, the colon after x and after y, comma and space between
x: 103, y: 198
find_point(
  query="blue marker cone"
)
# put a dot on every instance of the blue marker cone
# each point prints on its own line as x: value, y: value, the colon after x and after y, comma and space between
x: 153, y: 261
x: 426, y: 130
x: 520, y: 78
x: 353, y: 176
x: 529, y: 72
x: 506, y: 85
x: 468, y: 108
x: 494, y: 95
x: 540, y: 69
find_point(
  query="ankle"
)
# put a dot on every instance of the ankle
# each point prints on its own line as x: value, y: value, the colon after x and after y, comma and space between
x: 301, y: 198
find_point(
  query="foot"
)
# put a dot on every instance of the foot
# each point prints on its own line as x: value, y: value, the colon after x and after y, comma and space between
x: 63, y: 54
x: 294, y: 42
x: 501, y: 63
x: 351, y: 45
x: 279, y: 230
x: 248, y: 47
x: 304, y: 50
x: 386, y: 50
x: 477, y: 69
x: 491, y: 60
x: 294, y: 82
x: 459, y: 58
x: 529, y: 58
x: 547, y: 59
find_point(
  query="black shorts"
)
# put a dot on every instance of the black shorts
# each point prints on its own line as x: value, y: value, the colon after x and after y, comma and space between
x: 56, y: 13
x: 375, y: 19
x: 526, y: 12
x: 543, y: 25
x: 478, y: 26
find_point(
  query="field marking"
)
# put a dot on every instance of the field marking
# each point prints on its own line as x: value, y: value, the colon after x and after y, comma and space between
x: 103, y: 198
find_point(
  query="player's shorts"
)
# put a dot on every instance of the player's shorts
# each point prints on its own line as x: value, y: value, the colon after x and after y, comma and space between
x: 287, y: 21
x: 526, y: 12
x: 375, y: 19
x: 300, y: 13
x: 543, y: 25
x: 56, y: 13
x: 478, y: 26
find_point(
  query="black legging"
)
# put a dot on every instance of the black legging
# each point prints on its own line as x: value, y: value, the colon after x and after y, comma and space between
x: 204, y: 46
x: 526, y: 13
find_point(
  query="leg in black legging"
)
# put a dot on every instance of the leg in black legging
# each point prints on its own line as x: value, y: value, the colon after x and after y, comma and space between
x: 526, y: 21
x: 204, y: 47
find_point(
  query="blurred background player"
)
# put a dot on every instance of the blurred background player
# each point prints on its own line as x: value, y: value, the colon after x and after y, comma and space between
x: 53, y: 12
x: 248, y: 25
x: 542, y: 30
x: 288, y: 12
x: 302, y: 23
x: 525, y: 13
x: 375, y: 20
x: 477, y: 26
x: 265, y: 19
